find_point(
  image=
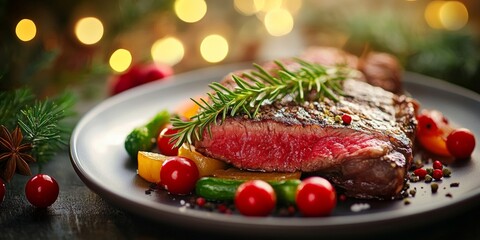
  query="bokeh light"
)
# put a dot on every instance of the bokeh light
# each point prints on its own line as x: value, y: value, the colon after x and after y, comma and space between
x: 293, y: 6
x: 269, y: 5
x: 278, y: 22
x: 247, y: 7
x: 168, y: 50
x: 453, y: 15
x: 214, y: 48
x: 432, y: 16
x: 190, y: 10
x: 89, y: 30
x: 450, y: 15
x: 26, y: 30
x: 120, y: 60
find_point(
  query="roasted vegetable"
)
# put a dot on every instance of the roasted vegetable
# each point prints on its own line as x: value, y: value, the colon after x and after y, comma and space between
x: 142, y: 138
x: 220, y: 189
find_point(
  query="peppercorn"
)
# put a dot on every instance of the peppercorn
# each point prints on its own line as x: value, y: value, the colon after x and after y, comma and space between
x: 200, y: 201
x: 347, y: 119
x: 437, y: 165
x: 446, y: 172
x: 434, y: 187
x: 437, y: 174
x: 338, y: 118
x: 421, y: 173
x: 428, y: 178
x: 414, y: 178
x: 413, y: 192
x: 456, y: 184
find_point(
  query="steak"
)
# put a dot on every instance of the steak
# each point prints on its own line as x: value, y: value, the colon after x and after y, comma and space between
x: 367, y: 158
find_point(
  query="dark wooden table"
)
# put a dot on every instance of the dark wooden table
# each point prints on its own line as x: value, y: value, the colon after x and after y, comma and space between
x: 80, y: 213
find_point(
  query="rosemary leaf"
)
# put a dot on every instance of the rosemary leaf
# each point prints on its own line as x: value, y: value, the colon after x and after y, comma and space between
x: 254, y: 89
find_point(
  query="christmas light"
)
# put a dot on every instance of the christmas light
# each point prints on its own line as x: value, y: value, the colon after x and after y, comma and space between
x: 26, y: 30
x: 89, y: 30
x: 120, y: 60
x: 450, y: 15
x: 278, y: 22
x: 453, y: 15
x: 246, y: 7
x: 214, y: 48
x: 168, y: 50
x: 190, y: 10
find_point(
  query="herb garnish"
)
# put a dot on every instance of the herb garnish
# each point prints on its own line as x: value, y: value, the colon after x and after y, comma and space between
x: 257, y: 87
x: 32, y: 130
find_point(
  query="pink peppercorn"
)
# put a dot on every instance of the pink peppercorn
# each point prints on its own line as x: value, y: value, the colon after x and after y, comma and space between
x: 420, y: 172
x: 347, y: 119
x: 200, y: 201
x: 437, y: 174
x: 437, y: 165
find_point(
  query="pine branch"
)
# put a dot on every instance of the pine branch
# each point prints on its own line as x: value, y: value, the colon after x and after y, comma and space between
x: 11, y: 103
x: 42, y: 124
x: 259, y: 87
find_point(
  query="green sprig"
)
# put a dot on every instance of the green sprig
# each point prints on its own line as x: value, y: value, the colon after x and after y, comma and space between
x: 256, y: 88
x: 43, y: 122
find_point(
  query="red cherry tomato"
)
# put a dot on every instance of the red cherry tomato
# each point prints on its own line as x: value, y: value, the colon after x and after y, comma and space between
x: 316, y: 197
x: 432, y: 130
x: 2, y: 191
x: 460, y: 143
x: 163, y: 141
x: 41, y: 190
x: 255, y: 198
x: 179, y: 175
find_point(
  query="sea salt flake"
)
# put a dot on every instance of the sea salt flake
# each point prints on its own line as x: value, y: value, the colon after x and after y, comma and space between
x: 357, y: 207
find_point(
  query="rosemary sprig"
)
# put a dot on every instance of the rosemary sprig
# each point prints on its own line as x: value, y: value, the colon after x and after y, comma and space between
x: 257, y: 88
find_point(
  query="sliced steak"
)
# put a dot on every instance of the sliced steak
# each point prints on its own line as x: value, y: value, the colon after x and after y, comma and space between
x: 367, y: 158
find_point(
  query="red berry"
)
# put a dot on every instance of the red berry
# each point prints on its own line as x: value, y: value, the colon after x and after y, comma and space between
x: 460, y: 143
x: 152, y: 72
x: 41, y: 190
x: 437, y: 165
x: 315, y: 197
x: 255, y: 198
x: 179, y: 175
x: 347, y: 119
x: 163, y: 141
x: 124, y: 81
x: 201, y: 201
x: 437, y: 174
x: 138, y: 75
x: 2, y: 191
x: 420, y: 172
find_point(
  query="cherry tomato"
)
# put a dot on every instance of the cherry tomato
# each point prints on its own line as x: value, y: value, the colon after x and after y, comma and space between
x: 163, y: 141
x: 316, y: 197
x: 2, y: 191
x: 179, y: 175
x: 255, y: 198
x: 432, y: 130
x: 41, y: 190
x: 460, y: 143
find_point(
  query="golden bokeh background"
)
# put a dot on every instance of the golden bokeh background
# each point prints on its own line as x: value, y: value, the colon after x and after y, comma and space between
x: 58, y: 44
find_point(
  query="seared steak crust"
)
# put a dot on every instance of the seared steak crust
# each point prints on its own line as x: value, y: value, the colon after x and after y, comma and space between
x: 368, y: 158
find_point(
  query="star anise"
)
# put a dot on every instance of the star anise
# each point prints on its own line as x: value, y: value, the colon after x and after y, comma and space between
x: 14, y: 156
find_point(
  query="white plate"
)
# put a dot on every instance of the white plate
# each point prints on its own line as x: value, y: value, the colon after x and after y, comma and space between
x: 99, y: 158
